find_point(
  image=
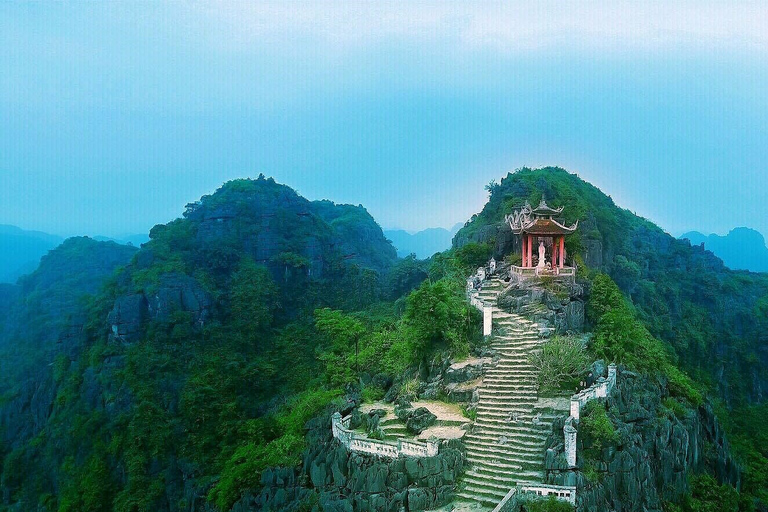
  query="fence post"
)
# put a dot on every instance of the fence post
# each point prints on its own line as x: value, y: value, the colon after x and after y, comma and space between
x: 487, y: 320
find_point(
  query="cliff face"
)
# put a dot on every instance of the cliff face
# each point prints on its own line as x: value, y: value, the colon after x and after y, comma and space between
x: 339, y: 480
x: 42, y: 321
x: 656, y: 446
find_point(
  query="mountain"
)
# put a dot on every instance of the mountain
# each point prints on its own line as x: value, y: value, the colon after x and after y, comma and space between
x: 424, y: 243
x: 201, y: 371
x: 134, y: 240
x: 131, y: 376
x: 740, y: 249
x: 21, y: 250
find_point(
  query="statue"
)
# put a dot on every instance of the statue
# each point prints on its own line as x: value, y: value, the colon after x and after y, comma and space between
x: 492, y: 266
x: 542, y: 251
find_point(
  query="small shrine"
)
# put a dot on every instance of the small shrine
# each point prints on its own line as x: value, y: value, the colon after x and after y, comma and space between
x: 542, y: 238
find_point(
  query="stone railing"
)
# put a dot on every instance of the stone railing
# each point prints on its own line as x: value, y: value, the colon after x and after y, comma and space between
x: 561, y: 492
x: 598, y: 390
x: 525, y: 273
x: 473, y: 294
x: 361, y: 444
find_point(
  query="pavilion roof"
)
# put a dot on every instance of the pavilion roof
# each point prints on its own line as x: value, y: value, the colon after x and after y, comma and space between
x: 545, y: 227
x: 544, y: 209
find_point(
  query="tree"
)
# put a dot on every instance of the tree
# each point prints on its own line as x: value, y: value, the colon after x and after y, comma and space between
x: 342, y: 332
x: 253, y: 299
x: 437, y: 313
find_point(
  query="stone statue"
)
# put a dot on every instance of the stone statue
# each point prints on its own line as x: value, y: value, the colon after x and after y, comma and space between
x: 492, y: 265
x: 542, y: 251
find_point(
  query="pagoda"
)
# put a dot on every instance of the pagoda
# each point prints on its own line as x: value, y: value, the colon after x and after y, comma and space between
x: 542, y: 236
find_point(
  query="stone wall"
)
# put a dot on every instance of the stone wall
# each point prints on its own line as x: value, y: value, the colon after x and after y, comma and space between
x: 392, y: 450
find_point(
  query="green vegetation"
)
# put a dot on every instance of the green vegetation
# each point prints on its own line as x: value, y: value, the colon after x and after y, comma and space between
x: 597, y: 428
x: 620, y: 337
x: 549, y: 504
x: 247, y: 335
x: 560, y: 363
x: 263, y: 309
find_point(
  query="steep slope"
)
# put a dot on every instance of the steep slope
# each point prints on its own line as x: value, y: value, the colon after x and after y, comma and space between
x: 190, y: 345
x: 505, y: 449
x: 740, y: 249
x: 42, y: 325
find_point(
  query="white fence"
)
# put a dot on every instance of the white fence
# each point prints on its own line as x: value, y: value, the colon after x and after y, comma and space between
x: 393, y: 450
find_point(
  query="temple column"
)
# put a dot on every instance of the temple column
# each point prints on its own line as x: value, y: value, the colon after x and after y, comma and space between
x: 554, y: 252
x: 530, y: 251
x: 562, y: 251
x: 522, y: 242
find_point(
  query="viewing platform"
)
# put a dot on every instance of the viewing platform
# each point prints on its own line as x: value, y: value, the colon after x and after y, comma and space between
x: 528, y: 273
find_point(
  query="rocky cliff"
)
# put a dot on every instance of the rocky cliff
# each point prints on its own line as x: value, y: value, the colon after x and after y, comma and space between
x: 332, y: 478
x: 648, y: 454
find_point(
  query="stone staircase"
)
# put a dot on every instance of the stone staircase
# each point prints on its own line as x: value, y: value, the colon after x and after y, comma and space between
x: 506, y: 445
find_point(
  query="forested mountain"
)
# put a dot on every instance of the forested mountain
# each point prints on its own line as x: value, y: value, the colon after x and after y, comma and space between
x: 713, y: 320
x: 21, y: 250
x: 139, y: 394
x: 740, y: 249
x: 200, y: 371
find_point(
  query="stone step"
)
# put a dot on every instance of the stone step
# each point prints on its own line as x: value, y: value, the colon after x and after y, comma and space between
x: 479, y: 496
x: 506, y: 451
x: 501, y: 466
x: 485, y: 483
x: 519, y: 435
x: 522, y: 450
x: 525, y: 475
x: 518, y: 439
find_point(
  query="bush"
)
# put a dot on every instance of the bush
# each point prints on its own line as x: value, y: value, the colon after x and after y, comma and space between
x: 597, y: 427
x: 561, y: 360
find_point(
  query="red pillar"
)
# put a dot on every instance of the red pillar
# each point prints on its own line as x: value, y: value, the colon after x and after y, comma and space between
x: 555, y: 246
x: 522, y: 242
x: 562, y: 251
x: 530, y: 251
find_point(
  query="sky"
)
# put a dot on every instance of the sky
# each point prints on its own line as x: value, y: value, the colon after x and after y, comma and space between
x: 114, y: 115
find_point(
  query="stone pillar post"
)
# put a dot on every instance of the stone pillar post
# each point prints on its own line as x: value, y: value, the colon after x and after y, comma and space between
x: 569, y: 432
x: 487, y: 320
x: 575, y: 407
x: 433, y: 446
x: 554, y: 253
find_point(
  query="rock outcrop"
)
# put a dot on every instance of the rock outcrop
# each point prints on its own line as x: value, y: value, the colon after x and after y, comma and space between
x: 338, y: 479
x: 654, y: 455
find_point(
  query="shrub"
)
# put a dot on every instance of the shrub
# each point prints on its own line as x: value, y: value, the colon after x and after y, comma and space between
x: 561, y: 360
x: 597, y: 427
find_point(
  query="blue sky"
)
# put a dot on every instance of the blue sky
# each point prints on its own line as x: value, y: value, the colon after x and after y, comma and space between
x: 115, y: 115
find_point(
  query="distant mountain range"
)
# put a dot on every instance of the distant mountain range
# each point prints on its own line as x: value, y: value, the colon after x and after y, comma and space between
x: 21, y: 250
x: 424, y: 243
x: 741, y: 249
